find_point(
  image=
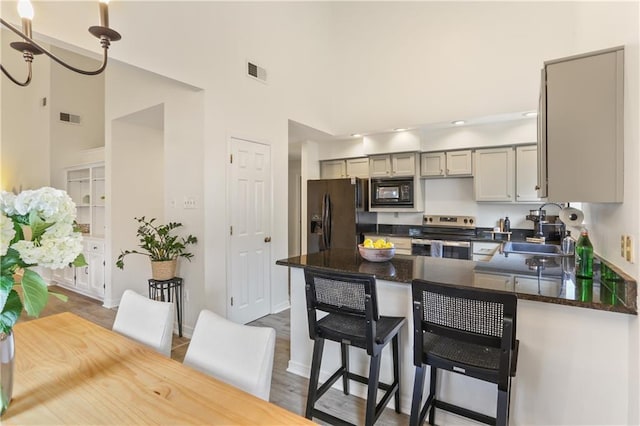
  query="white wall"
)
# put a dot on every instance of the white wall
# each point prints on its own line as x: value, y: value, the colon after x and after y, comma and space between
x: 147, y: 112
x: 294, y: 190
x: 24, y: 137
x: 76, y: 94
x: 135, y: 188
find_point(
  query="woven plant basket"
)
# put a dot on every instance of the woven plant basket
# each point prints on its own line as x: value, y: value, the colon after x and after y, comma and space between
x: 163, y: 270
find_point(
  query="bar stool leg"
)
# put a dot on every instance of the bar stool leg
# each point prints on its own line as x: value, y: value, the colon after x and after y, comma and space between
x: 345, y: 365
x: 396, y: 371
x: 432, y: 393
x: 372, y: 393
x: 416, y: 400
x: 318, y: 346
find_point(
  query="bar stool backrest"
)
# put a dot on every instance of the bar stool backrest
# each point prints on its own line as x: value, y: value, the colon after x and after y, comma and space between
x: 471, y: 314
x: 341, y: 293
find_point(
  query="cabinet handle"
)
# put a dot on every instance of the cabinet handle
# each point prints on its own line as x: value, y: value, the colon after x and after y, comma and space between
x: 267, y: 239
x: 537, y: 188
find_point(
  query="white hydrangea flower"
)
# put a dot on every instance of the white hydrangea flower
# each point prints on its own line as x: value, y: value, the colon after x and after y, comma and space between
x: 7, y: 203
x: 6, y: 233
x: 52, y: 205
x: 52, y: 252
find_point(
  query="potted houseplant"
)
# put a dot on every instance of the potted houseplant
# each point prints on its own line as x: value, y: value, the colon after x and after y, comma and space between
x: 161, y: 246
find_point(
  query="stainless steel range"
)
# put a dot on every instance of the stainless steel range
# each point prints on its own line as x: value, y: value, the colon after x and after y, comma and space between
x: 445, y: 236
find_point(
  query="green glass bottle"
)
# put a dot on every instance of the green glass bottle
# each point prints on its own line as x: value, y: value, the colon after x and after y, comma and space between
x: 584, y: 256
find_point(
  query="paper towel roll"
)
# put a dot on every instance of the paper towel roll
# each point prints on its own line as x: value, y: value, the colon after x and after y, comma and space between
x: 571, y: 216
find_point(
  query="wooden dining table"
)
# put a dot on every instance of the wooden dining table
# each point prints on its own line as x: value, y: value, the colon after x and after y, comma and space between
x: 72, y: 371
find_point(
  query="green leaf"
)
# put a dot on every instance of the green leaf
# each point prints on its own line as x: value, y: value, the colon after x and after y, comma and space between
x: 9, y: 261
x: 59, y: 296
x: 79, y: 261
x: 10, y: 312
x: 6, y: 285
x: 35, y: 292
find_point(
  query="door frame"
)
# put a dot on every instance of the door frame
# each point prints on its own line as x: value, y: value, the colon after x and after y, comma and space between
x: 228, y: 217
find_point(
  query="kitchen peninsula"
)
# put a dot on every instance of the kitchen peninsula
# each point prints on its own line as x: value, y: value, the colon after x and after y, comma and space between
x: 575, y: 337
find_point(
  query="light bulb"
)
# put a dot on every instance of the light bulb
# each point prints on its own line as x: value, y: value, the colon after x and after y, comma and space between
x: 25, y: 9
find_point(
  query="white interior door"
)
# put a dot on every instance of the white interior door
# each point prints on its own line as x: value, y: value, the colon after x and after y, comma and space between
x: 250, y: 206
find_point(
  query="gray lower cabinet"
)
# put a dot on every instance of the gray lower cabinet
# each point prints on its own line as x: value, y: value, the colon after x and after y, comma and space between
x: 580, y: 128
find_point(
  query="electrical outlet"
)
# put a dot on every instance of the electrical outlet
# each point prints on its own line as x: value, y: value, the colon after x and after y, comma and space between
x: 623, y: 244
x: 189, y: 203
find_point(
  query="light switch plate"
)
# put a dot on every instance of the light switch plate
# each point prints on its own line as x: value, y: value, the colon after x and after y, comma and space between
x: 628, y: 251
x: 189, y: 203
x: 623, y: 243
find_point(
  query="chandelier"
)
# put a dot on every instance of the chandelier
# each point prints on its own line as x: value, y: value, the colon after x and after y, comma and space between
x: 30, y: 48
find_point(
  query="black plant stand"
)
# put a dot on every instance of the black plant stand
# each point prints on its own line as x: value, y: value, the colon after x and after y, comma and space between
x: 161, y: 290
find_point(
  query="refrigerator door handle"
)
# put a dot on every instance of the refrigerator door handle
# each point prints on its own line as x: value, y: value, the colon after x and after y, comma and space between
x: 326, y: 221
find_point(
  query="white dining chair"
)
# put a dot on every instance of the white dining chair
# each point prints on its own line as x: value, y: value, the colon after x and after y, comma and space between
x: 146, y: 321
x: 240, y: 355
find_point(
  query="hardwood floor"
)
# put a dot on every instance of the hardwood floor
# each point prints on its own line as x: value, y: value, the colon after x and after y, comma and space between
x: 287, y: 390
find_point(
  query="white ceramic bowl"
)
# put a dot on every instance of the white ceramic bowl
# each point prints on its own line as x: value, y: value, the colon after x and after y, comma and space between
x: 376, y: 254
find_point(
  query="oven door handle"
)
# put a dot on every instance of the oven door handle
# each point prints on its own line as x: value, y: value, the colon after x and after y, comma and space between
x: 445, y: 243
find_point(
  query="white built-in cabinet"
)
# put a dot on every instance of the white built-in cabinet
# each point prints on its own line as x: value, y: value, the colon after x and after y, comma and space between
x: 89, y: 279
x: 581, y: 129
x: 351, y: 167
x: 449, y: 163
x: 494, y: 178
x: 85, y: 185
x: 527, y: 173
x: 393, y: 165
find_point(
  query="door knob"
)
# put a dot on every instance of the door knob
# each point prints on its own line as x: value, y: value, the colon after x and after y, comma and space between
x: 267, y: 239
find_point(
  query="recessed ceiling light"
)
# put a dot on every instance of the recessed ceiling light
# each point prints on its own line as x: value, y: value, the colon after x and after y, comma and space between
x: 458, y: 122
x: 400, y: 129
x: 530, y: 114
x: 356, y: 135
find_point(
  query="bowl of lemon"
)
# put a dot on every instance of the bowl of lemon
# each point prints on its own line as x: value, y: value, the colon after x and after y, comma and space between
x: 376, y: 251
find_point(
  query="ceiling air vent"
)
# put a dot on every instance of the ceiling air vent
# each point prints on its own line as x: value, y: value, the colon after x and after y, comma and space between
x: 256, y: 72
x: 69, y: 118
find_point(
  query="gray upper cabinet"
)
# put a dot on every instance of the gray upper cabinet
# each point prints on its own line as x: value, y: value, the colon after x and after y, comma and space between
x: 333, y: 169
x: 580, y: 128
x: 494, y: 178
x: 393, y: 165
x: 351, y: 167
x: 526, y: 173
x: 449, y: 163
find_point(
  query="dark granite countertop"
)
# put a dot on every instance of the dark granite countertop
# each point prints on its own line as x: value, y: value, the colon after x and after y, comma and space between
x: 531, y: 277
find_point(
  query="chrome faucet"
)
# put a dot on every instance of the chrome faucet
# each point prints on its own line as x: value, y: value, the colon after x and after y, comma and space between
x: 540, y: 233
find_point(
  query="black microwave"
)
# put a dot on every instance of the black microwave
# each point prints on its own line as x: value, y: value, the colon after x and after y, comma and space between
x: 392, y: 192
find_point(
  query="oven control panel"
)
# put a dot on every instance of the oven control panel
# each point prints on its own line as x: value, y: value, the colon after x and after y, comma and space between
x: 450, y: 221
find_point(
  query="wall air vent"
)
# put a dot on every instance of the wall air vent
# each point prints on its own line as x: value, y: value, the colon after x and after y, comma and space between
x: 257, y: 72
x: 69, y: 118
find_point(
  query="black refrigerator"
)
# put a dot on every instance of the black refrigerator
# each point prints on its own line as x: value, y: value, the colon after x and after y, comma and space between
x: 338, y: 213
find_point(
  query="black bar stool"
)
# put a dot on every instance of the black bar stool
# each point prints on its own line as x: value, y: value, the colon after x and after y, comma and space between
x: 351, y: 304
x: 465, y: 330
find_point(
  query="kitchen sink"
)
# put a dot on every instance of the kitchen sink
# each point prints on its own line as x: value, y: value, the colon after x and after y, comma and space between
x: 532, y: 248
